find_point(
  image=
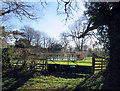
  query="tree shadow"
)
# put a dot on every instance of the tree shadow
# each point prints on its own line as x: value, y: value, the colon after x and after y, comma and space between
x: 62, y: 74
x: 14, y: 80
x: 68, y: 71
x: 91, y: 82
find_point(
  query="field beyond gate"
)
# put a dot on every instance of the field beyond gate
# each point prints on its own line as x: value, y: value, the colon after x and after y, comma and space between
x: 42, y: 72
x: 70, y: 64
x: 61, y: 62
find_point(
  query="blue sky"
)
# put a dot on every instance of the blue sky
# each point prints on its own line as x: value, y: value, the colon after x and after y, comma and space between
x: 54, y: 24
x: 50, y: 23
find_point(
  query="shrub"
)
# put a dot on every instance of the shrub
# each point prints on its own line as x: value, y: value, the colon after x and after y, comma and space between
x: 6, y: 57
x: 22, y: 43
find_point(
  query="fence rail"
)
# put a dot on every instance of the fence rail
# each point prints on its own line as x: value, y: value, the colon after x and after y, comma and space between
x: 99, y: 62
x: 41, y: 60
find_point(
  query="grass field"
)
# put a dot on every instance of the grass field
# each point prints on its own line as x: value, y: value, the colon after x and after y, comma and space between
x: 52, y: 80
x: 85, y: 62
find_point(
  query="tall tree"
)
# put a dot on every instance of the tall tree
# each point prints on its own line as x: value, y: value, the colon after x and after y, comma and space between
x: 7, y: 36
x: 37, y: 42
x: 19, y: 9
x: 75, y: 30
x: 101, y: 16
x: 55, y: 47
x: 107, y: 15
x: 22, y: 43
x: 64, y: 41
x: 29, y: 33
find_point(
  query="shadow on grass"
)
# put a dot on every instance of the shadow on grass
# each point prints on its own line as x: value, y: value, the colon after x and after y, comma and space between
x: 14, y: 80
x: 94, y: 81
x: 63, y: 74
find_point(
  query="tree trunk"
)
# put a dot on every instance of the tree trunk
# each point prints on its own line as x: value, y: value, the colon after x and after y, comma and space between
x: 112, y: 80
x: 82, y: 44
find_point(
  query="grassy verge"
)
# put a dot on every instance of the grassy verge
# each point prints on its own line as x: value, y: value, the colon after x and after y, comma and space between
x: 51, y: 82
x: 41, y: 80
x: 47, y: 80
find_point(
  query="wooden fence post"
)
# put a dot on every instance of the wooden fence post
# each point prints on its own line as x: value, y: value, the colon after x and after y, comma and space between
x: 43, y: 65
x: 93, y: 63
x: 102, y: 65
x: 46, y: 62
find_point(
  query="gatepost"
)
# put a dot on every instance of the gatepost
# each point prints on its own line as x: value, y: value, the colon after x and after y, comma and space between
x: 93, y: 63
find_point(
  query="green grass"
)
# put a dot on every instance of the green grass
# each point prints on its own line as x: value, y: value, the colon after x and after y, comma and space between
x: 64, y: 62
x: 85, y: 62
x: 50, y: 82
x: 70, y: 63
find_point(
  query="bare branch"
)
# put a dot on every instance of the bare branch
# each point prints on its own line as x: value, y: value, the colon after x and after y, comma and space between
x: 43, y: 3
x: 88, y: 29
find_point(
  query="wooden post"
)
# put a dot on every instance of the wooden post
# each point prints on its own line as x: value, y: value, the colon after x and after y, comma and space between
x: 93, y: 63
x: 72, y: 57
x: 68, y: 58
x: 62, y: 56
x: 102, y: 65
x: 46, y: 64
x: 57, y: 57
x: 43, y: 65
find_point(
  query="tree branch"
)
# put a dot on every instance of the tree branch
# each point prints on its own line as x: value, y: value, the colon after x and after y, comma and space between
x: 87, y: 30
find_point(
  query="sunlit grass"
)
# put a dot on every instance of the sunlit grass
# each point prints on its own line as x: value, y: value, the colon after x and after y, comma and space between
x: 39, y: 81
x: 85, y: 62
x: 70, y: 63
x: 47, y: 82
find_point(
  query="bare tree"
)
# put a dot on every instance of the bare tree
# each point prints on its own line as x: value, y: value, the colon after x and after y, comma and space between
x: 76, y: 30
x: 29, y: 33
x: 51, y: 41
x: 64, y: 41
x: 19, y: 9
x: 37, y: 41
x: 70, y: 6
x: 45, y: 41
